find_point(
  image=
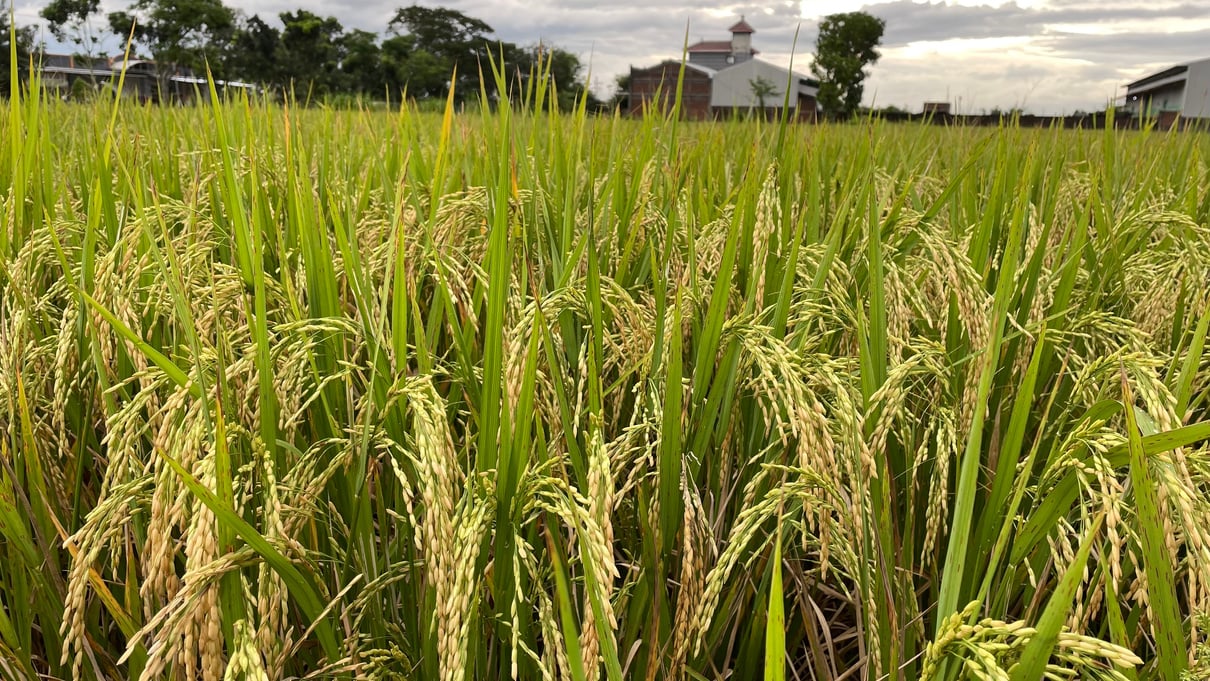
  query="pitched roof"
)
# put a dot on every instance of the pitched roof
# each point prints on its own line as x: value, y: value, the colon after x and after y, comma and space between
x: 711, y: 46
x: 1155, y: 77
x: 742, y: 27
x: 1165, y: 75
x: 676, y: 63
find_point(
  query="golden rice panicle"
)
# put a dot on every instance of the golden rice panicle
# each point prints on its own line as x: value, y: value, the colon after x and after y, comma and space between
x: 696, y: 555
x: 946, y: 449
x: 600, y: 493
x: 201, y: 550
x: 269, y: 635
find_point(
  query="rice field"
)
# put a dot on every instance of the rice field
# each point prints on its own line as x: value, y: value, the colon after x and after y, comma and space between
x: 305, y: 393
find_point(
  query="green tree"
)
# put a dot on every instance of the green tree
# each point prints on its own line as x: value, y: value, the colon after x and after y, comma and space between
x: 179, y: 33
x: 621, y: 92
x: 252, y: 55
x: 762, y: 89
x: 408, y: 66
x: 362, y: 64
x: 564, y: 71
x: 71, y: 21
x: 81, y: 91
x: 442, y: 40
x: 846, y: 45
x: 312, y: 48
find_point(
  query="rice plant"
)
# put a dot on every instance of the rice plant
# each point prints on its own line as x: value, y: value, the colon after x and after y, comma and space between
x: 304, y: 393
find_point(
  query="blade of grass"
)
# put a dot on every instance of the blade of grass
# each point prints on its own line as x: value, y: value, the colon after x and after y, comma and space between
x: 1041, y: 645
x: 775, y: 625
x: 1172, y: 657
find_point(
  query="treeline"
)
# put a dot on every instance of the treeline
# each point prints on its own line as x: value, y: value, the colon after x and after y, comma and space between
x: 313, y: 55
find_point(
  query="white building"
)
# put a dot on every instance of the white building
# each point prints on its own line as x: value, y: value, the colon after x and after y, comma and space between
x: 739, y: 88
x: 723, y: 78
x: 1183, y: 90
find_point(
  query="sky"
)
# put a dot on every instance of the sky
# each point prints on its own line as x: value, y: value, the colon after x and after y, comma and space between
x: 1044, y: 56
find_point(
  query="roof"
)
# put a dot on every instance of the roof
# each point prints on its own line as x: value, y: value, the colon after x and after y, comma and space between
x: 119, y: 64
x: 77, y: 71
x: 1168, y: 76
x: 48, y: 59
x: 202, y: 81
x: 742, y: 27
x: 711, y: 46
x: 756, y: 67
x: 709, y: 72
x: 1156, y: 77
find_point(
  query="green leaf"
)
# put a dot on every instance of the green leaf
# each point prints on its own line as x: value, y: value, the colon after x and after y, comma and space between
x: 1037, y: 652
x: 1172, y: 657
x: 775, y: 625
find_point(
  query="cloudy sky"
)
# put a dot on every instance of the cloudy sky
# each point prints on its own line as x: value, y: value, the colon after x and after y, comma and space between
x: 1046, y: 56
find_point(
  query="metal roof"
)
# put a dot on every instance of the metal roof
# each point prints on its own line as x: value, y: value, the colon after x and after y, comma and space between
x: 711, y: 46
x: 202, y: 81
x: 77, y: 71
x: 1155, y: 77
x: 1167, y: 76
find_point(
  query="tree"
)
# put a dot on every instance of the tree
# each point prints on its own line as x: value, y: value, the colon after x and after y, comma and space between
x: 252, y: 55
x: 564, y: 71
x: 442, y: 39
x: 362, y: 64
x: 762, y: 88
x: 847, y: 43
x: 408, y: 66
x: 621, y: 92
x: 71, y: 20
x: 189, y: 33
x: 312, y: 49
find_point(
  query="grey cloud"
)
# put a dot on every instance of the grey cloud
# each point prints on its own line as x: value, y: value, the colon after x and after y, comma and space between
x: 1131, y: 49
x: 909, y: 21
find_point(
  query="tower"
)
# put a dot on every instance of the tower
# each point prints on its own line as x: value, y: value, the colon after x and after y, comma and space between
x: 741, y: 41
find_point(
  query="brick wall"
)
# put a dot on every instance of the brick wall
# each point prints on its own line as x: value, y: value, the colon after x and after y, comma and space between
x: 646, y: 84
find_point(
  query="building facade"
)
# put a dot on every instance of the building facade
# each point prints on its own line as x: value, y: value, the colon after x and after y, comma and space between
x: 723, y: 78
x: 654, y: 89
x: 758, y: 86
x: 140, y: 79
x: 1180, y: 92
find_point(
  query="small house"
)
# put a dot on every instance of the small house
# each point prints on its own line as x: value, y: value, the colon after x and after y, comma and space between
x: 1178, y: 92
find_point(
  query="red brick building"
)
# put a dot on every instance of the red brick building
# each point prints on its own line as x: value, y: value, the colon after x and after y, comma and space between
x: 655, y: 88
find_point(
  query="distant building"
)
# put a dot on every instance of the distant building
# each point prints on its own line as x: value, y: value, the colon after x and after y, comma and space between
x: 1182, y: 91
x: 655, y: 88
x: 142, y: 80
x: 719, y: 54
x: 722, y: 78
x: 936, y: 107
